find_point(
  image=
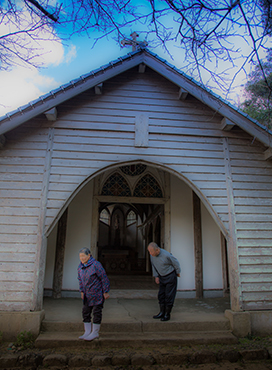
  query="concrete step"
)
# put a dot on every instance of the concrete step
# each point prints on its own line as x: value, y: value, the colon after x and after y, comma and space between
x: 55, y: 339
x: 214, y: 323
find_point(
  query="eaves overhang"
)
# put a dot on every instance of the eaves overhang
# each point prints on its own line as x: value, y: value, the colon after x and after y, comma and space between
x: 122, y: 64
x: 206, y: 96
x: 68, y: 91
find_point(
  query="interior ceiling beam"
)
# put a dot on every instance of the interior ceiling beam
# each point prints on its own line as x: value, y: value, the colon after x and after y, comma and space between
x: 158, y: 210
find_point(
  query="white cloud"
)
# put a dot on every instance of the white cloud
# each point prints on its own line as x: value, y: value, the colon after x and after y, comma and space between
x: 71, y: 54
x: 24, y: 83
x: 20, y: 86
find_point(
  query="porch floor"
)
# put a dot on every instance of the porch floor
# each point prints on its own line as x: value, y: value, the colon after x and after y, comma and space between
x: 132, y: 310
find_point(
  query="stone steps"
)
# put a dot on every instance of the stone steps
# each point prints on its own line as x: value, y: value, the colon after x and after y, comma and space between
x: 135, y: 326
x: 130, y: 323
x: 56, y: 339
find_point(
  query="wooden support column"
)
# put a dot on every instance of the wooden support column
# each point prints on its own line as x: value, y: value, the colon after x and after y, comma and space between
x: 167, y: 214
x: 59, y: 256
x: 224, y: 266
x: 233, y: 258
x: 39, y: 269
x: 198, y: 246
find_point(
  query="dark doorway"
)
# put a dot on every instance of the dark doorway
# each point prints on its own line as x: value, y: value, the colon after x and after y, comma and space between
x: 124, y: 233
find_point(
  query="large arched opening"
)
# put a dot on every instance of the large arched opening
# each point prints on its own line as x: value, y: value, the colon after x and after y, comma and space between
x: 118, y: 212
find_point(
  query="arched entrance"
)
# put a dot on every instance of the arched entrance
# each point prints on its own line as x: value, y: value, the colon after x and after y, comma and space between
x: 120, y: 211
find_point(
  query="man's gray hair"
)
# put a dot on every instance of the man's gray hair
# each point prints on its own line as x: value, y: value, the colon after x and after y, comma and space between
x: 153, y: 245
x: 85, y: 251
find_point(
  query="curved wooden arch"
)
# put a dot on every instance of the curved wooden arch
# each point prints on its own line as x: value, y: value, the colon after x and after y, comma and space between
x: 170, y: 170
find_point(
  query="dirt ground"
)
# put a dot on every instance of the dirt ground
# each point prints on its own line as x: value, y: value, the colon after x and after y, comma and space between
x: 155, y: 352
x: 222, y: 366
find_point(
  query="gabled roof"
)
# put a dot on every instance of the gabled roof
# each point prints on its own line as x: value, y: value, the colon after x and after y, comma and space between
x: 122, y: 64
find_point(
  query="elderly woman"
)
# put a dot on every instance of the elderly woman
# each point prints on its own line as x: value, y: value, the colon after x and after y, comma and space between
x: 94, y: 286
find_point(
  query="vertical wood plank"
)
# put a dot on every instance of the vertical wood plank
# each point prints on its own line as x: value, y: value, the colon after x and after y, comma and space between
x: 59, y: 256
x: 233, y: 259
x: 198, y: 246
x: 141, y: 130
x: 40, y: 259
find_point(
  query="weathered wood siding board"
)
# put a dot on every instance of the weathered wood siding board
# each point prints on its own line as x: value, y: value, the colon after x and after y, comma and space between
x: 27, y: 248
x: 256, y: 278
x: 19, y: 256
x: 21, y: 174
x: 17, y: 266
x: 11, y: 296
x: 22, y: 286
x: 253, y: 200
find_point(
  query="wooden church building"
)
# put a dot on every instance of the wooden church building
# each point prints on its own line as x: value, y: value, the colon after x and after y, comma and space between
x: 131, y: 153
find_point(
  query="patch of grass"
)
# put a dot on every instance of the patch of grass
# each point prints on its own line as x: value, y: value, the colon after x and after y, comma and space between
x: 24, y: 340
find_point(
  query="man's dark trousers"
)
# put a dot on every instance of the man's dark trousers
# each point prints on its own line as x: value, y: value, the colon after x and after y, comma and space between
x: 168, y: 289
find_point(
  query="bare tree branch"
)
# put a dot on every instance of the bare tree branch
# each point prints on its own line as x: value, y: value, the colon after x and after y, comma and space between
x: 217, y: 39
x: 44, y: 11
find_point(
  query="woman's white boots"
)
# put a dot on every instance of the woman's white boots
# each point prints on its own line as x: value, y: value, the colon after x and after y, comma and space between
x: 95, y: 332
x: 88, y: 330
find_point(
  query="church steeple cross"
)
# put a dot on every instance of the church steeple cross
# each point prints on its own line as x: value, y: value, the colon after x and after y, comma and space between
x: 133, y: 42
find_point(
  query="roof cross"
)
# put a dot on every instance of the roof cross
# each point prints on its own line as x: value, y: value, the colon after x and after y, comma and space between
x: 133, y: 42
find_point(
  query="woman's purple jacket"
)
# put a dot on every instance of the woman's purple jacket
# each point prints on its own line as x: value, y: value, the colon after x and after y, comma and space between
x: 93, y: 281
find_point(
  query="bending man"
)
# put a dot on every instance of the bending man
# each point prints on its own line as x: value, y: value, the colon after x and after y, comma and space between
x: 166, y: 268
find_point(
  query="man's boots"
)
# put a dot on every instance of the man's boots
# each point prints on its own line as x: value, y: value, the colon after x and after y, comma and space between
x: 161, y: 313
x: 166, y: 316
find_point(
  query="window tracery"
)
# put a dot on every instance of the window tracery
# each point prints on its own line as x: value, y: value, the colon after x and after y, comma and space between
x: 147, y: 186
x: 116, y: 185
x: 133, y: 169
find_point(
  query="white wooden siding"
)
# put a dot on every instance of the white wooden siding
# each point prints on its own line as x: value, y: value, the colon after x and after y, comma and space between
x: 21, y: 174
x: 93, y: 132
x: 253, y: 199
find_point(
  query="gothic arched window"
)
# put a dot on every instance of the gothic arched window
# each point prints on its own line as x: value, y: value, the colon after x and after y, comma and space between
x: 116, y: 185
x: 105, y: 216
x: 147, y: 186
x: 131, y: 217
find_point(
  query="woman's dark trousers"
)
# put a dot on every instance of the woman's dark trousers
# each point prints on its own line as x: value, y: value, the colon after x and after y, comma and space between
x: 87, y: 311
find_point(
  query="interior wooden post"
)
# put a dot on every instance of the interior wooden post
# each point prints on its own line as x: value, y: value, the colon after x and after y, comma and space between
x: 198, y: 246
x: 95, y: 219
x: 59, y: 255
x: 167, y: 214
